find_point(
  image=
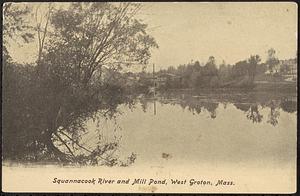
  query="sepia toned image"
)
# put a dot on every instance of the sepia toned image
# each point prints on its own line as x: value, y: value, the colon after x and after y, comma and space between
x: 159, y: 97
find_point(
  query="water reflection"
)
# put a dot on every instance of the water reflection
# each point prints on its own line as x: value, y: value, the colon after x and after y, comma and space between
x: 212, y: 128
x: 249, y: 103
x: 147, y: 128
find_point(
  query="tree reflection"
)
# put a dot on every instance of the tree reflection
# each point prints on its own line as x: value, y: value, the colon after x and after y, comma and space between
x: 274, y: 113
x: 94, y: 150
x: 251, y: 106
x: 251, y: 111
x: 211, y: 108
x: 196, y: 106
x: 243, y: 107
x: 144, y: 104
x: 250, y: 103
x: 288, y: 105
x: 253, y: 114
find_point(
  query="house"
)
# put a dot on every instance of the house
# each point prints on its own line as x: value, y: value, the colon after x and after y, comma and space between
x: 288, y: 68
x: 164, y: 78
x: 161, y: 79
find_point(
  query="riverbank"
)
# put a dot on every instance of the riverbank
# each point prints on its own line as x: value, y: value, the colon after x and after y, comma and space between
x: 258, y: 86
x: 282, y: 86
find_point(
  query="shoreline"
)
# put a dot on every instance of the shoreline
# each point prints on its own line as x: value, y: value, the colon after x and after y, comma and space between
x: 268, y: 87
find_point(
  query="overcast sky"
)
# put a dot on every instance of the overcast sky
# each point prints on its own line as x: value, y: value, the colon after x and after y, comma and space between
x: 228, y: 31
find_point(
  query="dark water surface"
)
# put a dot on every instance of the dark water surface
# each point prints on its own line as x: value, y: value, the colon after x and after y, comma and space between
x: 184, y: 128
x: 248, y: 138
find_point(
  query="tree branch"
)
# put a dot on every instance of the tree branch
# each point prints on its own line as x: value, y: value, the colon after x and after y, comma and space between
x: 70, y: 151
x: 76, y: 142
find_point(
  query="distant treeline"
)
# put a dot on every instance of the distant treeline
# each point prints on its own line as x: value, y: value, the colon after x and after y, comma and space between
x: 194, y: 75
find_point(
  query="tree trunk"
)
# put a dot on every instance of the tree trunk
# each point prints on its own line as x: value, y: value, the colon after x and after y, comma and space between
x: 53, y: 149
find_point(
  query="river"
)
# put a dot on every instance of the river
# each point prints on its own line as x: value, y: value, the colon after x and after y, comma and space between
x: 181, y: 128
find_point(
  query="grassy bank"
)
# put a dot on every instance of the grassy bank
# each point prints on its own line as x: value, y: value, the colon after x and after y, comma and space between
x: 276, y: 86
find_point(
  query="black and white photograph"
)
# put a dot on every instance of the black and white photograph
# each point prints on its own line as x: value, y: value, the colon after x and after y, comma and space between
x: 149, y: 97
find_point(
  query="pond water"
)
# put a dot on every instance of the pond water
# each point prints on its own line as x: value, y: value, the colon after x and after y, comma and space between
x: 247, y: 138
x: 182, y: 129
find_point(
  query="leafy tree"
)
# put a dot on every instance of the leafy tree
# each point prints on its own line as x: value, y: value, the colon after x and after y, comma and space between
x: 15, y: 26
x: 240, y: 68
x: 90, y: 36
x: 224, y: 71
x: 252, y: 65
x: 197, y: 66
x: 210, y: 67
x: 87, y: 38
x: 272, y: 60
x: 16, y: 81
x: 88, y: 42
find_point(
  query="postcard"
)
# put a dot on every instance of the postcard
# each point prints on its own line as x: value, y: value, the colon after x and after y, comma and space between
x: 149, y: 97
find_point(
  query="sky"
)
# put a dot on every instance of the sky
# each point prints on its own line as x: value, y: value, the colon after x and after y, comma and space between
x: 193, y: 31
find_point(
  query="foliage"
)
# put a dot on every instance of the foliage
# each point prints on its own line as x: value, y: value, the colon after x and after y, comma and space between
x: 47, y: 104
x: 272, y: 60
x: 15, y: 26
x: 194, y: 75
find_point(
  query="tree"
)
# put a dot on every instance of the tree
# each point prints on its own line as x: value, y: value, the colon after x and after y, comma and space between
x: 224, y: 71
x: 197, y: 66
x: 86, y: 40
x: 42, y: 30
x: 15, y: 26
x: 96, y: 35
x: 16, y: 81
x: 252, y: 65
x: 211, y: 60
x: 272, y: 60
x: 240, y: 68
x: 210, y: 67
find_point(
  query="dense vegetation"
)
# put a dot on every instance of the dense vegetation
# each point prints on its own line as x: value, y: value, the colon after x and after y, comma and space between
x: 46, y: 104
x: 194, y: 75
x: 241, y: 75
x: 82, y: 51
